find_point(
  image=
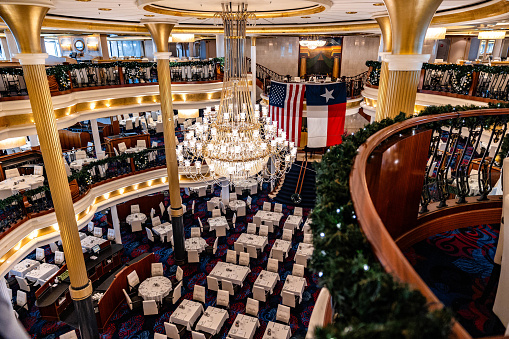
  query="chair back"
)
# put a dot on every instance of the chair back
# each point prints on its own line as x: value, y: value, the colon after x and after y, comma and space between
x: 53, y: 247
x: 227, y: 286
x: 252, y: 307
x: 288, y: 299
x: 234, y: 219
x: 150, y: 307
x: 177, y: 293
x: 231, y: 257
x: 150, y: 235
x: 251, y: 228
x: 264, y: 231
x: 195, y: 232
x: 129, y: 125
x: 90, y: 227
x: 21, y: 298
x: 238, y: 247
x: 156, y: 221
x: 244, y: 259
x: 214, y: 249
x: 212, y: 283
x: 198, y: 335
x: 287, y: 235
x: 298, y: 270
x: 199, y: 293
x: 308, y: 238
x: 301, y: 260
x: 221, y: 231
x: 59, y: 258
x: 160, y: 336
x: 69, y: 335
x: 223, y: 298
x: 111, y: 234
x: 201, y: 224
x: 193, y: 256
x: 216, y: 212
x: 81, y: 155
x: 251, y: 250
x: 133, y: 279
x: 171, y: 331
x: 39, y: 254
x: 136, y: 226
x: 269, y: 225
x: 233, y: 196
x: 141, y: 144
x: 98, y: 232
x: 180, y: 274
x: 278, y: 254
x: 248, y: 201
x: 161, y: 208
x: 157, y: 269
x: 267, y: 206
x: 135, y: 209
x: 22, y: 284
x: 152, y: 213
x: 297, y: 211
x: 128, y: 299
x: 121, y: 146
x: 241, y: 211
x: 126, y: 117
x: 273, y: 265
x: 259, y: 294
x: 38, y: 170
x: 283, y: 314
x: 278, y: 208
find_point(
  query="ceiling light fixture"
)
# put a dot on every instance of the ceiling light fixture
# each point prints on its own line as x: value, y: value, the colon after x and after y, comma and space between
x: 201, y: 18
x: 104, y: 9
x: 149, y: 15
x: 313, y: 42
x: 435, y: 33
x: 351, y: 12
x: 378, y: 4
x: 182, y: 37
x: 305, y: 17
x: 489, y: 35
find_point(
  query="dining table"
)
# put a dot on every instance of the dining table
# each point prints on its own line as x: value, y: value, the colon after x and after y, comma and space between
x: 135, y: 217
x: 244, y: 327
x: 155, y: 288
x: 22, y: 183
x: 267, y: 280
x: 23, y: 267
x: 195, y: 244
x: 212, y: 320
x: 186, y: 313
x: 277, y: 331
x: 235, y: 274
x: 295, y: 285
x: 78, y: 164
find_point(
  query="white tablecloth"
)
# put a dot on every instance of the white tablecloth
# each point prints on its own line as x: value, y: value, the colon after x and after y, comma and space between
x: 282, y: 245
x: 275, y: 217
x: 277, y: 331
x: 135, y: 149
x: 267, y: 280
x: 306, y: 228
x: 27, y: 182
x: 195, y: 244
x: 164, y: 230
x: 218, y: 222
x: 186, y: 313
x: 91, y: 241
x: 155, y: 288
x: 78, y: 164
x: 23, y: 267
x: 293, y: 222
x: 213, y: 203
x: 247, y: 184
x: 295, y: 285
x: 235, y: 204
x: 253, y: 240
x: 305, y: 249
x: 230, y: 272
x: 244, y: 327
x: 136, y: 216
x: 212, y: 320
x: 42, y: 273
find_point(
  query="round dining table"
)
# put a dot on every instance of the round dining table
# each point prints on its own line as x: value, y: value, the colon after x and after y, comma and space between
x: 26, y: 182
x: 155, y: 288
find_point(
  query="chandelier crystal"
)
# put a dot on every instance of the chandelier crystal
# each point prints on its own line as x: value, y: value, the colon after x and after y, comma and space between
x: 312, y: 43
x: 234, y: 142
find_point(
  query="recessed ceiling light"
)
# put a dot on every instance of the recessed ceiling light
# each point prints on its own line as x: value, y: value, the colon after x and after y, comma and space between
x: 305, y: 17
x: 378, y: 4
x: 104, y: 9
x: 351, y: 12
x: 84, y: 0
x: 201, y: 18
x: 149, y: 15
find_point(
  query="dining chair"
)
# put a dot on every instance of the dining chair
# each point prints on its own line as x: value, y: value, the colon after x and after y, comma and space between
x: 297, y: 211
x: 278, y: 208
x: 259, y: 294
x: 267, y: 206
x: 216, y: 212
x: 233, y: 196
x: 228, y: 286
x: 98, y: 232
x: 298, y: 270
x: 223, y: 299
x: 59, y: 258
x: 238, y: 247
x: 23, y: 285
x: 134, y: 302
x: 278, y: 254
x: 283, y: 314
x: 273, y: 265
x: 136, y: 226
x: 241, y: 211
x: 231, y: 257
x: 135, y: 209
x: 156, y: 269
x: 301, y: 260
x: 171, y: 331
x: 199, y: 293
x: 195, y: 232
x: 221, y: 231
x: 111, y: 234
x: 150, y: 307
x: 252, y: 251
x: 193, y: 257
x: 244, y: 259
x: 212, y: 283
x: 39, y: 254
x: 288, y: 299
x: 252, y: 307
x: 264, y: 231
x: 287, y: 235
x: 214, y: 249
x: 251, y: 228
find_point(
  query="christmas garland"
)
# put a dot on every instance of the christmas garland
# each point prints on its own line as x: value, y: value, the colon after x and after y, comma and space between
x: 368, y: 302
x: 374, y: 75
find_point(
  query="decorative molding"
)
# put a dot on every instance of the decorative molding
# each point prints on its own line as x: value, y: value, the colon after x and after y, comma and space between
x: 406, y: 62
x: 31, y: 58
x: 162, y: 55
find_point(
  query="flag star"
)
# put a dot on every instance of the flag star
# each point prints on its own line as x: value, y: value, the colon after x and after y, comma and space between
x: 328, y: 95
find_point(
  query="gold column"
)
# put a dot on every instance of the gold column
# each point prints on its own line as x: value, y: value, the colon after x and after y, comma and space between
x: 409, y: 21
x: 303, y: 60
x: 160, y: 32
x: 385, y: 26
x: 336, y: 54
x: 25, y: 22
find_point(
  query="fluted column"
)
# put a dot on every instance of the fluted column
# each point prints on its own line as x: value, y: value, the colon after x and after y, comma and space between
x: 25, y: 22
x: 385, y: 26
x: 303, y: 61
x: 409, y: 21
x: 160, y: 32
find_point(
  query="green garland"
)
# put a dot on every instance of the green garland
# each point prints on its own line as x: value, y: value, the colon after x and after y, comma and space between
x: 369, y: 302
x: 374, y: 75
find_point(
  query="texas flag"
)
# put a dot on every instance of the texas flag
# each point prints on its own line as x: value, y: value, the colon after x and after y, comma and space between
x: 326, y: 108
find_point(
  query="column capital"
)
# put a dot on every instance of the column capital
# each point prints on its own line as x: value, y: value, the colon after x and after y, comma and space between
x: 384, y: 22
x: 160, y: 30
x: 406, y: 62
x: 383, y: 55
x: 31, y: 58
x: 162, y: 55
x: 24, y: 19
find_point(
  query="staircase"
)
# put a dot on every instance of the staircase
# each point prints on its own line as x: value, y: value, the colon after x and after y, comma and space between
x: 308, y: 193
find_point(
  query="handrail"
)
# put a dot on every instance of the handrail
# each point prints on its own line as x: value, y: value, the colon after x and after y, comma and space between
x: 382, y: 243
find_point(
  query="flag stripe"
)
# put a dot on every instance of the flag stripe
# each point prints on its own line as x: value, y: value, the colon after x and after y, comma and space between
x: 285, y: 107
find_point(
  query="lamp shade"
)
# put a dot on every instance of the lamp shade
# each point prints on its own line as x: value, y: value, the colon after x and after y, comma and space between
x: 490, y: 35
x: 12, y: 142
x: 435, y: 33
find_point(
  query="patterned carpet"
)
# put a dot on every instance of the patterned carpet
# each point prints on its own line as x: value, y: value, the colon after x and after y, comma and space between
x: 127, y: 324
x: 457, y: 265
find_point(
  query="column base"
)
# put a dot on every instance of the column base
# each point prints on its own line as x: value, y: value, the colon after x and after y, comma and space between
x: 86, y: 318
x: 179, y: 249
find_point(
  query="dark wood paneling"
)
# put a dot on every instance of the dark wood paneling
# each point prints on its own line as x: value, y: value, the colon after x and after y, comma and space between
x: 130, y: 141
x: 146, y: 203
x: 400, y: 182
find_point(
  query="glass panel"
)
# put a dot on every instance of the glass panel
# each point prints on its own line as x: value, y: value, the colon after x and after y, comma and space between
x: 483, y: 46
x: 491, y: 44
x: 52, y: 47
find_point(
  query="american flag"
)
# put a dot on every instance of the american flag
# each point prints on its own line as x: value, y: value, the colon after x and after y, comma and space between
x: 285, y: 106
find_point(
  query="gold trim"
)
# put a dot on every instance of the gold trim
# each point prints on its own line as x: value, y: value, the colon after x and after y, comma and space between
x: 82, y: 293
x: 385, y: 26
x: 259, y: 15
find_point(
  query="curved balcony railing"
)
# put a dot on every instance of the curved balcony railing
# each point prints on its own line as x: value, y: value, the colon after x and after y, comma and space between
x: 74, y: 77
x: 477, y: 82
x: 391, y: 174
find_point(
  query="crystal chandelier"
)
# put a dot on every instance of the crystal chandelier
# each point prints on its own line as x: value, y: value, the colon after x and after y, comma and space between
x: 312, y: 43
x: 234, y: 142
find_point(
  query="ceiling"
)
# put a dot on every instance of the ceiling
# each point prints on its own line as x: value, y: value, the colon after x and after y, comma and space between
x: 335, y: 10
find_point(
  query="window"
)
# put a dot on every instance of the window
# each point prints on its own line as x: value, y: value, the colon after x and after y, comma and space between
x: 482, y: 48
x: 491, y: 44
x: 125, y: 48
x: 2, y: 54
x: 52, y: 47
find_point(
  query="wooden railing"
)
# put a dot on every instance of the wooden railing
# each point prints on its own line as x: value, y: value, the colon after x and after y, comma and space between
x: 386, y: 198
